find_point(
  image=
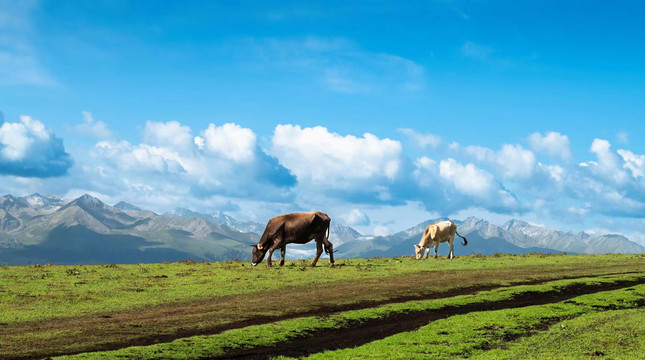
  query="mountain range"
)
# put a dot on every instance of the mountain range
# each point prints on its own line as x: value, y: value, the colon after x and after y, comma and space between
x: 48, y: 229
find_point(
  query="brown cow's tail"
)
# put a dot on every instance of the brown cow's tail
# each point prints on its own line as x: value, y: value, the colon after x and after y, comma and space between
x: 465, y: 241
x: 327, y: 238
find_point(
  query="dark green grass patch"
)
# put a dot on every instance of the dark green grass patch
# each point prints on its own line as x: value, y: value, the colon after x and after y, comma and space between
x: 476, y: 334
x: 618, y: 334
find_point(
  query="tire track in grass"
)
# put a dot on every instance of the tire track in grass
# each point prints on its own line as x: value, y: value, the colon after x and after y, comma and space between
x: 359, y: 333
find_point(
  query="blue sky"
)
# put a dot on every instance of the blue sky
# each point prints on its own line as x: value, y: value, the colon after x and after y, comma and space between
x: 382, y: 114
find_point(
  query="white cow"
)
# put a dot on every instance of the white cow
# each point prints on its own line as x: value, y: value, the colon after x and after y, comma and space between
x: 436, y: 233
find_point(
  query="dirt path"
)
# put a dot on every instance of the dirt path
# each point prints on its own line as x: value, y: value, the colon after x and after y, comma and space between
x: 206, y: 317
x: 357, y: 334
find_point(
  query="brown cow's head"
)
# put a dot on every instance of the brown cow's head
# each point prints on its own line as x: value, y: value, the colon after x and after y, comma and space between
x: 259, y: 252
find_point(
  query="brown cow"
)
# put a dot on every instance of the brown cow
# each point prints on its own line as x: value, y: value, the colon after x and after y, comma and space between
x: 441, y: 231
x: 295, y: 228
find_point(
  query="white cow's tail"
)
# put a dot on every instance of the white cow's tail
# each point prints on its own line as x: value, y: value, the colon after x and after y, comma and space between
x: 465, y: 241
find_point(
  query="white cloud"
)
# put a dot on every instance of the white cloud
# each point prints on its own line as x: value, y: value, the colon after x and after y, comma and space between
x: 556, y: 172
x: 421, y: 140
x: 29, y: 149
x: 230, y: 141
x: 92, y: 127
x: 607, y: 167
x: 172, y: 135
x: 141, y: 158
x: 327, y: 159
x: 356, y: 217
x: 511, y: 161
x: 551, y: 143
x: 467, y: 179
x: 451, y: 186
x: 381, y: 230
x: 633, y: 162
x: 226, y: 161
x: 515, y: 161
x: 480, y: 153
x: 425, y: 171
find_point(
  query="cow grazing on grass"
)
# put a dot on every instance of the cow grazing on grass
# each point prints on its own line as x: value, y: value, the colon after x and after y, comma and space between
x: 296, y: 228
x: 441, y: 231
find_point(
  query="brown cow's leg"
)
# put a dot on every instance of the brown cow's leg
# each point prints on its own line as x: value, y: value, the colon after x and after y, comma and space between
x: 319, y: 251
x: 271, y: 250
x: 436, y: 250
x: 330, y: 248
x: 283, y: 251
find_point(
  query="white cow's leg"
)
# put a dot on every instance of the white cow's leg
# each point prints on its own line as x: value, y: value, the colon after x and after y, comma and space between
x: 452, y: 246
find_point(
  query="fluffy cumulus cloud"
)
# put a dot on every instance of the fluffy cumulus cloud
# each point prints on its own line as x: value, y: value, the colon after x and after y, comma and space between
x: 607, y: 167
x: 551, y: 143
x: 467, y: 179
x: 633, y: 162
x: 325, y: 159
x: 452, y: 186
x: 421, y: 140
x: 92, y: 127
x: 310, y: 167
x: 28, y: 149
x: 511, y: 161
x: 224, y: 161
x: 230, y: 141
x: 142, y: 158
x: 171, y: 135
x: 613, y: 183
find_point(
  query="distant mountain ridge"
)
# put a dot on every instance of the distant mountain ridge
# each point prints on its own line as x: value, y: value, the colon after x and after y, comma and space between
x: 515, y: 236
x: 47, y: 229
x: 86, y: 230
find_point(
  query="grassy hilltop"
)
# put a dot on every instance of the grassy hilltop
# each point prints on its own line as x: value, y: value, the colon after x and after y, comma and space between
x: 491, y: 306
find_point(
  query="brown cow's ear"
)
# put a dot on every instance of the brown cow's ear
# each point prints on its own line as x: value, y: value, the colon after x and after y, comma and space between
x: 260, y: 246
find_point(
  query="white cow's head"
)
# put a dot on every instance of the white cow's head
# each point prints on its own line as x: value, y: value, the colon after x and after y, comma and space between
x: 419, y: 251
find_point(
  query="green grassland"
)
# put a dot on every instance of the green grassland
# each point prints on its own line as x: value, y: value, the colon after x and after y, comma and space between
x: 270, y: 334
x: 201, y: 310
x: 486, y: 335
